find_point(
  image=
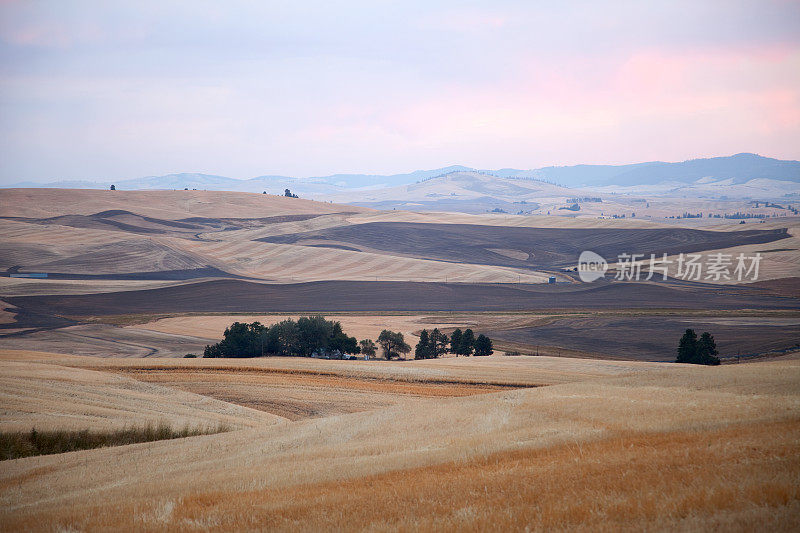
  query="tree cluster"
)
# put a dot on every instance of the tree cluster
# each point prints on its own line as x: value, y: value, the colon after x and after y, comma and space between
x: 305, y: 337
x: 431, y: 345
x: 287, y: 193
x: 702, y: 351
x: 435, y: 344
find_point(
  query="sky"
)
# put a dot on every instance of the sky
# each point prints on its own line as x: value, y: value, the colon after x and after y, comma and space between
x: 115, y: 90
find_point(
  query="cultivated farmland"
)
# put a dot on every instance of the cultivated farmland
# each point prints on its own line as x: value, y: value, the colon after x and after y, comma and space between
x: 589, y: 427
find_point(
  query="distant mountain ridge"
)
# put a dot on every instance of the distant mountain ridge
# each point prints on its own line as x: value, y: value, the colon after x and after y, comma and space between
x: 739, y: 169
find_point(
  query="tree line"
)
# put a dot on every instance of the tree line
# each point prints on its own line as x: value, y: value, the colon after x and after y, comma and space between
x: 314, y: 336
x: 309, y: 335
x: 435, y: 344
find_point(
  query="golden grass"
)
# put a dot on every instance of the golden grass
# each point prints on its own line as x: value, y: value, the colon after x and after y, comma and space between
x: 732, y: 479
x: 296, y: 395
x: 169, y: 205
x: 50, y: 396
x: 614, y: 446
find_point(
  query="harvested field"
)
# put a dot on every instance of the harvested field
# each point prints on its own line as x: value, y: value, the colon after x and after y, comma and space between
x: 543, y: 247
x: 51, y: 396
x: 654, y: 338
x: 163, y: 205
x: 498, y: 442
x: 241, y: 296
x: 102, y: 340
x: 297, y: 395
x: 649, y: 453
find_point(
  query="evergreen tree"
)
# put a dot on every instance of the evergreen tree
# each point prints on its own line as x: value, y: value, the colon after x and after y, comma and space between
x: 483, y: 345
x: 423, y: 348
x: 687, y: 347
x: 439, y: 342
x: 455, y: 341
x: 467, y: 344
x: 707, y: 350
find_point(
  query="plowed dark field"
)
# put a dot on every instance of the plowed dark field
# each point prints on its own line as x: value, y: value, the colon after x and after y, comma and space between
x: 655, y: 338
x: 326, y: 296
x: 547, y: 247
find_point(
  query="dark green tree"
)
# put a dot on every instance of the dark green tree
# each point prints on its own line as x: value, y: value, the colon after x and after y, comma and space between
x: 113, y: 188
x: 483, y: 345
x: 284, y: 338
x: 423, y: 348
x: 455, y: 341
x: 467, y: 344
x: 687, y: 347
x: 340, y: 341
x: 313, y: 332
x: 393, y: 344
x: 239, y: 340
x: 368, y: 347
x: 707, y: 350
x: 439, y: 342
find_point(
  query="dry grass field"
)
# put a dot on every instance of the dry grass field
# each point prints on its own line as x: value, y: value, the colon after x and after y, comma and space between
x: 591, y: 435
x: 443, y: 444
x: 124, y: 239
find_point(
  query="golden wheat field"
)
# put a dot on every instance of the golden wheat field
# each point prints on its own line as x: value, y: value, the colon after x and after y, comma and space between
x: 492, y: 443
x: 586, y: 436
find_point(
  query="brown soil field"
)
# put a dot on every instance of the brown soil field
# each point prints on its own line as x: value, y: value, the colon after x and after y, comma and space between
x: 332, y: 296
x: 102, y: 340
x: 172, y: 235
x: 542, y: 247
x: 605, y: 446
x: 653, y: 337
x: 590, y: 440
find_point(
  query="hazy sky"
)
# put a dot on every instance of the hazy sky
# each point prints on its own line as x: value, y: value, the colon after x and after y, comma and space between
x: 104, y: 89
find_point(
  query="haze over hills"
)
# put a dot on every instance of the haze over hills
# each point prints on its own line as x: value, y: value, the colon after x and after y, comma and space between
x: 539, y: 191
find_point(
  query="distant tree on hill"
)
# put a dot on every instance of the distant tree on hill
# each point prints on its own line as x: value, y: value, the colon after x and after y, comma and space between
x: 284, y: 338
x: 467, y: 344
x: 707, y: 350
x: 687, y: 347
x: 393, y: 344
x: 340, y: 342
x: 113, y: 188
x: 698, y: 352
x: 431, y: 345
x: 289, y: 194
x: 307, y: 336
x: 368, y: 347
x: 455, y: 341
x: 423, y: 347
x: 438, y: 342
x: 483, y: 345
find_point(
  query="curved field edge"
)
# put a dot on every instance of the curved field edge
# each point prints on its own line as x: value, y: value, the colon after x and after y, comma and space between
x: 704, y: 451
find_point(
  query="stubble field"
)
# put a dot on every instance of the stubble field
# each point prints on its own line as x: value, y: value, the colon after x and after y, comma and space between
x: 597, y: 432
x: 594, y: 445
